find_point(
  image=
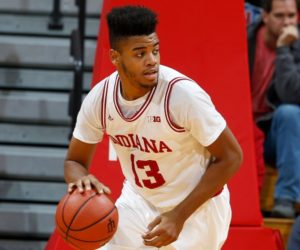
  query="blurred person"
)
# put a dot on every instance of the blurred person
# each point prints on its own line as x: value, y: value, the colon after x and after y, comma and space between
x: 274, y: 60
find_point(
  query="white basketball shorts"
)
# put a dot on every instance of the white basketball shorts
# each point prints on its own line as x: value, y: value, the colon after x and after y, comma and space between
x: 206, y: 229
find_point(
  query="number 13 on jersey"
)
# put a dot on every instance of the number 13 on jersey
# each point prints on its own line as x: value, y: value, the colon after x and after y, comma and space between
x: 151, y: 170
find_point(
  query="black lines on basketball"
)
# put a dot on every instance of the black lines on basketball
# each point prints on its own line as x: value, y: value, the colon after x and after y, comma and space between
x: 86, y: 220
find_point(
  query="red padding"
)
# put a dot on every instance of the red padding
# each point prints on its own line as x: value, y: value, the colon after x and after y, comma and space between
x: 250, y: 238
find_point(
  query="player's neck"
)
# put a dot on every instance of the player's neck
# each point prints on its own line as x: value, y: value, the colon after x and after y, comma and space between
x: 132, y: 92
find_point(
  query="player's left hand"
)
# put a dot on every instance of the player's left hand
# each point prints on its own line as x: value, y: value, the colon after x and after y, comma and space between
x: 163, y: 230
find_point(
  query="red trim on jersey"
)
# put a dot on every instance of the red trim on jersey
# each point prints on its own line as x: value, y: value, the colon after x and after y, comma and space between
x: 220, y: 191
x: 173, y: 125
x: 142, y: 108
x: 103, y: 104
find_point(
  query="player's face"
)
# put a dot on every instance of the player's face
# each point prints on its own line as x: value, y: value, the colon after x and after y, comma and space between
x: 137, y: 61
x: 282, y: 14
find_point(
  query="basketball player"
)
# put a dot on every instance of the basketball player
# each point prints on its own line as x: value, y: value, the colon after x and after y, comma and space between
x: 175, y: 150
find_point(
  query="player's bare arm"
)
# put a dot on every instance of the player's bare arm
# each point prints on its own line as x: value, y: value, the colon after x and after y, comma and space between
x: 227, y: 159
x: 76, y: 168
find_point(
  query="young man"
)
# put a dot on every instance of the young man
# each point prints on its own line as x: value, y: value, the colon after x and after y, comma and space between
x: 175, y: 149
x: 274, y: 59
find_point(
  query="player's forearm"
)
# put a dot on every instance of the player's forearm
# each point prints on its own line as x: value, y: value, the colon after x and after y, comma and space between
x: 78, y: 159
x: 74, y: 171
x: 214, y: 179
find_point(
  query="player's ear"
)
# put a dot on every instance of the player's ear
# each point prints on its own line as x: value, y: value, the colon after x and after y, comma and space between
x: 114, y: 56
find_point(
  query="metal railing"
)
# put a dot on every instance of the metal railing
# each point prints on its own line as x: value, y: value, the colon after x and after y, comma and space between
x: 77, y: 53
x: 55, y: 22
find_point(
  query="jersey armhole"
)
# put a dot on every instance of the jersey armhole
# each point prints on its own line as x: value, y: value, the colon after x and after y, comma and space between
x: 171, y: 123
x: 103, y: 104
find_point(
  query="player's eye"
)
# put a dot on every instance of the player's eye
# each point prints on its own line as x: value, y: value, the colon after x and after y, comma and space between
x: 155, y: 52
x: 140, y: 54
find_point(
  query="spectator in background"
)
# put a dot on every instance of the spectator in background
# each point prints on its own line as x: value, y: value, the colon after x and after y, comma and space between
x: 274, y: 60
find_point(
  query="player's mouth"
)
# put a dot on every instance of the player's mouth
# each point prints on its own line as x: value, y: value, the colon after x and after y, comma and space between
x: 151, y: 75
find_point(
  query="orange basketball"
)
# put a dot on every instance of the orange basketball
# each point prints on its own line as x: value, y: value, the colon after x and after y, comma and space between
x: 86, y: 220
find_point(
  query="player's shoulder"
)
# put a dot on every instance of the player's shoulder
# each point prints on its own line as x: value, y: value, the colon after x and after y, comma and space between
x: 182, y: 87
x: 179, y: 81
x: 168, y: 74
x: 172, y: 76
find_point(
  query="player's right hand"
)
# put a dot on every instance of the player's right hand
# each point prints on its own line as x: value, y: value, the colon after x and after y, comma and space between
x: 88, y: 182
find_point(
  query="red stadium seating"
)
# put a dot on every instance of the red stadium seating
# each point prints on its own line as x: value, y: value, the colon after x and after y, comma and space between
x: 205, y: 40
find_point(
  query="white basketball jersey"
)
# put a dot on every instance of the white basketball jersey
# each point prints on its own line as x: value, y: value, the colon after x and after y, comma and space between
x: 161, y: 160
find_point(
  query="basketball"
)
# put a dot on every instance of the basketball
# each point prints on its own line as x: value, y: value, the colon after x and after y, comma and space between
x: 86, y: 220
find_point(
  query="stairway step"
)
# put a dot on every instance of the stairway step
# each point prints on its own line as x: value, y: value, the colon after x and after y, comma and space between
x: 41, y: 51
x: 38, y: 25
x: 36, y: 107
x: 34, y: 135
x: 31, y: 191
x: 11, y: 78
x: 283, y: 225
x: 94, y: 7
x: 22, y: 244
x: 32, y: 163
x: 18, y: 219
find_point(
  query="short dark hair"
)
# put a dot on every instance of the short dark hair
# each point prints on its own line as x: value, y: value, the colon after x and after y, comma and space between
x: 130, y: 21
x: 267, y: 5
